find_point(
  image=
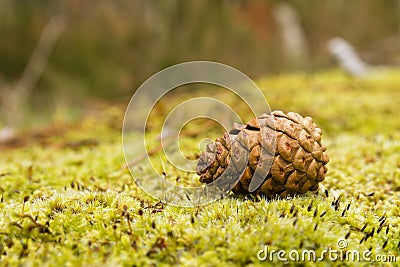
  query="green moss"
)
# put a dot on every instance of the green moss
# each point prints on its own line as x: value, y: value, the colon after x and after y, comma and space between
x: 82, y: 207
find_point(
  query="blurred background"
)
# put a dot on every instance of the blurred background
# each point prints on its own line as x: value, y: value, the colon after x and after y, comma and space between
x: 58, y: 57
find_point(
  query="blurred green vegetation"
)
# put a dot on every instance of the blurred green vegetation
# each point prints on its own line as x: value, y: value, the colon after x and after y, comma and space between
x: 109, y: 48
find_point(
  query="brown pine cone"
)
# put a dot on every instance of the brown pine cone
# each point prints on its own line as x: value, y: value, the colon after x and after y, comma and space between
x: 278, y: 154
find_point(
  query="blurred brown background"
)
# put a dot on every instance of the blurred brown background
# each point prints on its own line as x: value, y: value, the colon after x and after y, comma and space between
x: 57, y: 56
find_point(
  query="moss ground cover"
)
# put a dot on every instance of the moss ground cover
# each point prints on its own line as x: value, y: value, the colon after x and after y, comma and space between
x: 67, y: 200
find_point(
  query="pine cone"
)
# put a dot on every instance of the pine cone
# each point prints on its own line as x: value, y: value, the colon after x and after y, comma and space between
x: 282, y: 152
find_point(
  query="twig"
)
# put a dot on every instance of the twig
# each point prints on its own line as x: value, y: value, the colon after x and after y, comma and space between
x: 41, y: 54
x: 14, y: 97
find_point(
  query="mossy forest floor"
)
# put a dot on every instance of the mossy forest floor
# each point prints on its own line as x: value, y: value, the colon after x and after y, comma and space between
x: 66, y: 199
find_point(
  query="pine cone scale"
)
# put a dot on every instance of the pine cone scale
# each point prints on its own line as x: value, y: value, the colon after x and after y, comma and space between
x: 267, y: 139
